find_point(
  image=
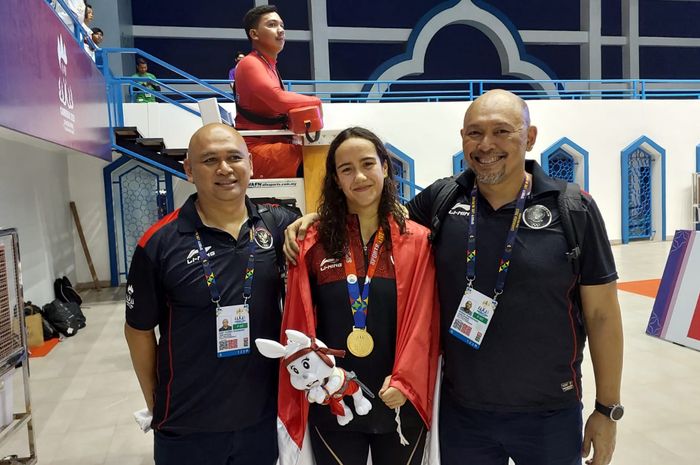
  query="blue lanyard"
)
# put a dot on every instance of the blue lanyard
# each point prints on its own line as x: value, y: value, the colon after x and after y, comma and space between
x: 211, y: 279
x: 504, y: 263
x: 360, y: 303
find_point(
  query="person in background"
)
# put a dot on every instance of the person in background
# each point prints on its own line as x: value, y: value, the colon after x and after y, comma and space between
x: 89, y: 15
x: 142, y: 72
x: 232, y: 72
x: 262, y: 102
x: 97, y: 36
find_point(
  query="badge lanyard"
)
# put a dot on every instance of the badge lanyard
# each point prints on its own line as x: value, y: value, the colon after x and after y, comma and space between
x: 504, y: 263
x: 359, y: 303
x: 211, y: 279
x: 274, y: 70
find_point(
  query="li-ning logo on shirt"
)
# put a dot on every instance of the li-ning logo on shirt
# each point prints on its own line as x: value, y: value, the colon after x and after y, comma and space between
x: 193, y: 256
x: 460, y: 209
x: 329, y: 263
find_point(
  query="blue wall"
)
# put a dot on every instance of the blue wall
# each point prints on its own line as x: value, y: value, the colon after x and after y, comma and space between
x: 455, y: 52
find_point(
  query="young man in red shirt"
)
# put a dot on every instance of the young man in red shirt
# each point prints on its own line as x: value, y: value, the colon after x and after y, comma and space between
x: 262, y: 102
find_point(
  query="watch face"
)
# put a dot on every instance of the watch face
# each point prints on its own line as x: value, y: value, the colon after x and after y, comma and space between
x: 617, y: 412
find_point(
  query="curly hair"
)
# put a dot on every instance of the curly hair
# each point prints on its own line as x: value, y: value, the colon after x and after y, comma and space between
x: 333, y: 210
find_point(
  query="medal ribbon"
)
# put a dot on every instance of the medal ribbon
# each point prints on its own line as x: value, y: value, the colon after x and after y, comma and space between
x: 504, y: 263
x: 210, y: 278
x: 360, y: 302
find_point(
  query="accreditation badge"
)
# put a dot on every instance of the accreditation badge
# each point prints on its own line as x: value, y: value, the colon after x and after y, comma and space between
x: 473, y: 317
x: 232, y: 331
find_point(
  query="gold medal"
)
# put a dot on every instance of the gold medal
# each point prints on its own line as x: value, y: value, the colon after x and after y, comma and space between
x: 360, y: 342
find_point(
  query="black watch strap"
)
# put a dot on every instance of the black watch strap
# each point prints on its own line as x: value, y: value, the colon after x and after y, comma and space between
x: 614, y: 412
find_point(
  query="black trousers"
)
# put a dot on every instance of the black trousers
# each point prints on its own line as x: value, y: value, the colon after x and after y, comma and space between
x: 352, y: 448
x: 469, y: 436
x: 255, y: 445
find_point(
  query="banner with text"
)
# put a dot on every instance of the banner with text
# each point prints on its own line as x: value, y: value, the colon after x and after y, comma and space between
x: 49, y: 87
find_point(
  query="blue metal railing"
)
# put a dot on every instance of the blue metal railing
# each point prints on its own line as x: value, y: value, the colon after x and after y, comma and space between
x: 455, y: 90
x: 120, y: 86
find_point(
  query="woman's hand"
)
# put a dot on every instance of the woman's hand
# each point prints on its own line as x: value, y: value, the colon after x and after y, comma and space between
x: 294, y: 231
x: 392, y: 397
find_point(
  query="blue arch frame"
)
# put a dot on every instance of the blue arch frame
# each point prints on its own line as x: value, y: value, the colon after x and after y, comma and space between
x: 416, y: 31
x: 109, y: 202
x: 624, y: 173
x: 458, y: 162
x: 544, y: 157
x: 411, y: 180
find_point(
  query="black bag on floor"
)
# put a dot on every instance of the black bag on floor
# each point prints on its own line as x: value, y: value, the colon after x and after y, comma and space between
x: 63, y: 290
x: 49, y: 331
x: 63, y: 317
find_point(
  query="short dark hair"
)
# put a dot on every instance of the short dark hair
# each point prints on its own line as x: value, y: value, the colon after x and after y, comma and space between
x: 252, y: 17
x: 96, y: 30
x: 141, y: 61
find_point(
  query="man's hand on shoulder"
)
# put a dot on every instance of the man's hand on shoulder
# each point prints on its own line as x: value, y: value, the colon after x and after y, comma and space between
x: 297, y: 231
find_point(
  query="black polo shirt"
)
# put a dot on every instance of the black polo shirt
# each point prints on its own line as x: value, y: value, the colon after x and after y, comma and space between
x: 531, y: 355
x: 196, y: 391
x: 334, y: 321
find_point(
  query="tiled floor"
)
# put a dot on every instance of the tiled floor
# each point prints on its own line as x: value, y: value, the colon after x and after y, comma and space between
x: 84, y: 391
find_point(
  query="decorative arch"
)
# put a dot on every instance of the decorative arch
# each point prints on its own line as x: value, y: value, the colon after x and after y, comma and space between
x: 404, y: 168
x: 136, y: 196
x: 488, y: 20
x: 557, y: 157
x: 643, y: 190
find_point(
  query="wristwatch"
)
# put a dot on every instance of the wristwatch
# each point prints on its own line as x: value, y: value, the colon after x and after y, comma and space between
x: 614, y: 412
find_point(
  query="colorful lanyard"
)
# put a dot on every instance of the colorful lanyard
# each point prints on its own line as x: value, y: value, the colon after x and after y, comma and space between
x: 269, y: 65
x: 504, y: 263
x: 359, y: 303
x: 211, y: 279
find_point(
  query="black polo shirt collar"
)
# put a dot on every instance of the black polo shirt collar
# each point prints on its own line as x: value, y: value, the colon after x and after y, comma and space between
x: 541, y: 182
x: 189, y: 219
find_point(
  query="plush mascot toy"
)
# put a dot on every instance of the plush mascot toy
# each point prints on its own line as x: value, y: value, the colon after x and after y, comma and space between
x: 311, y: 367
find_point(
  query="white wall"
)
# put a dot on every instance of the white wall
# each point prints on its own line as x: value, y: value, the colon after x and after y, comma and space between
x: 86, y: 188
x: 34, y: 198
x: 429, y: 132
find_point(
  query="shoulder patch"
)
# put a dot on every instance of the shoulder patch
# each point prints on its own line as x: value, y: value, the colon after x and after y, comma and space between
x: 263, y: 237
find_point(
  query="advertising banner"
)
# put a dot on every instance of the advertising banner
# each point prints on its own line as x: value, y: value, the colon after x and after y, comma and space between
x: 49, y: 87
x: 676, y: 313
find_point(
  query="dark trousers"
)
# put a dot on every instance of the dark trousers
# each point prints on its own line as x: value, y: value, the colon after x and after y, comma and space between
x: 352, y: 448
x: 469, y: 436
x: 255, y: 445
